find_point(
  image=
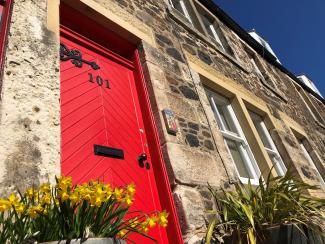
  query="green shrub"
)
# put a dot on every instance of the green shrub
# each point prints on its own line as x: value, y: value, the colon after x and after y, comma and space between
x: 249, y: 210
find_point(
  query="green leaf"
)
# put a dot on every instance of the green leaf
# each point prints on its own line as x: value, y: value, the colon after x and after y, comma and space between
x: 210, y: 231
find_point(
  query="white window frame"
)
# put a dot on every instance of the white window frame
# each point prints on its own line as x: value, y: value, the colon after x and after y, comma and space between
x: 216, y: 36
x: 184, y: 9
x: 244, y: 149
x: 280, y: 167
x: 311, y: 162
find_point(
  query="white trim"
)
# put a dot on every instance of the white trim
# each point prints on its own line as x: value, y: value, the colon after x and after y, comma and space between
x: 216, y: 36
x: 184, y: 10
x: 280, y: 167
x: 237, y: 136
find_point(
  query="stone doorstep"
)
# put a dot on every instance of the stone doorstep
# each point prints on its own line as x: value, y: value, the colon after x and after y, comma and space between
x: 89, y: 241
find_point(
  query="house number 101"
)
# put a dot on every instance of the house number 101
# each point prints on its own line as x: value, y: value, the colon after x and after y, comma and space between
x: 99, y: 80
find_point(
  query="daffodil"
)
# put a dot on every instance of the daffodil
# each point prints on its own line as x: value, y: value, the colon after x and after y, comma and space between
x: 64, y: 183
x: 145, y: 228
x: 128, y: 200
x: 4, y: 205
x: 20, y: 208
x: 122, y: 232
x: 96, y: 200
x: 63, y: 196
x: 151, y: 221
x: 131, y: 189
x: 30, y: 193
x: 46, y: 199
x: 74, y: 198
x: 45, y: 188
x: 118, y: 193
x: 162, y: 219
x: 134, y: 222
x: 34, y: 211
x: 13, y: 199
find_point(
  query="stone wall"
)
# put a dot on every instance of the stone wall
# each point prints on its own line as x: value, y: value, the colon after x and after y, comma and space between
x: 197, y: 154
x: 29, y: 107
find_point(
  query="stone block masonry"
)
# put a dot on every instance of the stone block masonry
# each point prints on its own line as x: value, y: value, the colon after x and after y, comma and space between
x: 29, y: 107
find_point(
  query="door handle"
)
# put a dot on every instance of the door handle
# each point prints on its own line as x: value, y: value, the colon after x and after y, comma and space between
x: 142, y: 157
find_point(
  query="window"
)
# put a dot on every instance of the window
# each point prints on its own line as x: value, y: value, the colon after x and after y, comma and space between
x: 234, y: 138
x: 311, y: 108
x: 311, y: 162
x: 268, y: 144
x: 185, y: 8
x: 181, y: 7
x: 203, y: 21
x: 211, y: 28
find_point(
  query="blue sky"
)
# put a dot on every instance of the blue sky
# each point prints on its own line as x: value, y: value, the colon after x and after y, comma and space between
x: 295, y: 29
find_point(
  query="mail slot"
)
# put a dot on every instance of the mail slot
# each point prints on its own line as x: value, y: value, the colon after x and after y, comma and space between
x: 108, y: 152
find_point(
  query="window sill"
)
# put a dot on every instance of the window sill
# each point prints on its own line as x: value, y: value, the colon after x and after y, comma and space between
x: 179, y: 18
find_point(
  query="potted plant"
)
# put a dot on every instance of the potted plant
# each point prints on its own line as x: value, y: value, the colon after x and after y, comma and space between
x: 278, y: 210
x: 93, y: 212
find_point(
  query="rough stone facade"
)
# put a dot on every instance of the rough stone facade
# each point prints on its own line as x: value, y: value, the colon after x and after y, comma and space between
x: 29, y: 107
x: 197, y: 154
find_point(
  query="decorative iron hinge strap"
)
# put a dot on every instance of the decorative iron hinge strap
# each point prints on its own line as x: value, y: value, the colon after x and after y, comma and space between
x: 75, y: 56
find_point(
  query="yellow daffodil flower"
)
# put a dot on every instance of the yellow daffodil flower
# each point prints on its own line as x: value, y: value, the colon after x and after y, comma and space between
x: 131, y: 189
x: 162, y: 219
x: 4, y: 205
x: 151, y: 221
x: 20, y: 208
x: 122, y: 232
x: 145, y: 228
x: 45, y: 188
x: 96, y: 201
x: 118, y: 193
x: 46, y: 199
x: 64, y: 196
x: 74, y: 198
x: 134, y: 222
x: 13, y: 198
x: 128, y: 200
x: 30, y: 193
x: 34, y: 211
x: 64, y: 183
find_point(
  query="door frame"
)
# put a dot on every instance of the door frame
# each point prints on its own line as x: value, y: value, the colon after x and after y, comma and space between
x: 158, y: 164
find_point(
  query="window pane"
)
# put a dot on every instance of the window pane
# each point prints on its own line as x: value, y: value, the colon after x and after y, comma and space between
x: 238, y: 159
x: 177, y: 5
x: 226, y: 118
x: 258, y: 125
x: 277, y: 162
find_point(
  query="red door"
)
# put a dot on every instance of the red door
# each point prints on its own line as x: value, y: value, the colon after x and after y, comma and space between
x: 100, y: 106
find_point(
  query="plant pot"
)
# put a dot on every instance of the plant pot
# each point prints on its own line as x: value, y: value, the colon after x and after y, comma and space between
x: 283, y: 234
x: 290, y: 234
x: 89, y: 241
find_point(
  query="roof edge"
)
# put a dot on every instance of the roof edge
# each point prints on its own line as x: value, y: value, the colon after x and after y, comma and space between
x: 243, y: 34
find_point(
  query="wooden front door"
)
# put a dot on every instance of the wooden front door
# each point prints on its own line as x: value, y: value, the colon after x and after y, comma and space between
x: 100, y: 106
